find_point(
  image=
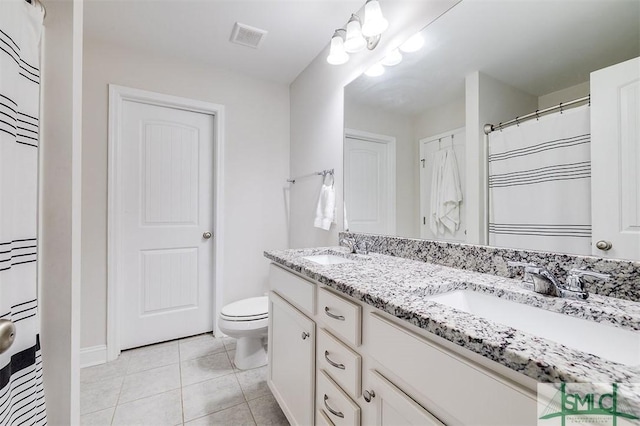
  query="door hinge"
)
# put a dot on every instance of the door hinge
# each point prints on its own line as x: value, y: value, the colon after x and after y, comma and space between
x: 424, y: 220
x: 422, y: 161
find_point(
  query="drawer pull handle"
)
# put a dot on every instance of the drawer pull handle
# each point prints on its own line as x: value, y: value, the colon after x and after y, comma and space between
x: 368, y: 395
x: 334, y: 316
x: 333, y: 363
x: 331, y: 410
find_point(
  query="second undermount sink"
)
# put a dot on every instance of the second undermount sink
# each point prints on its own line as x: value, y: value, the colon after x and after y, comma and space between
x: 606, y: 341
x: 328, y: 259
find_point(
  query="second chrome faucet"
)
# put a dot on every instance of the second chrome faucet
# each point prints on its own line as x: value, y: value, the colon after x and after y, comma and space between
x: 541, y: 280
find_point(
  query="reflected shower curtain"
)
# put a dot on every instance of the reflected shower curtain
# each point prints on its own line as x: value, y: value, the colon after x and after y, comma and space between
x: 21, y: 387
x: 540, y: 184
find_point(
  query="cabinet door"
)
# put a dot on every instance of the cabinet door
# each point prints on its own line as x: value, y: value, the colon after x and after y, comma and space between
x: 394, y: 407
x: 615, y: 159
x: 292, y: 360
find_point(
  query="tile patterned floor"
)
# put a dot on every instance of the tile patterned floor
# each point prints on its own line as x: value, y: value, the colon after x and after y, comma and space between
x: 184, y: 382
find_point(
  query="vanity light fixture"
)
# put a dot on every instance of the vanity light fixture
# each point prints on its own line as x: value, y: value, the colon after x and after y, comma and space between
x: 337, y: 52
x: 375, y: 71
x: 414, y: 44
x: 357, y: 35
x: 393, y: 58
x: 374, y: 22
x: 354, y: 41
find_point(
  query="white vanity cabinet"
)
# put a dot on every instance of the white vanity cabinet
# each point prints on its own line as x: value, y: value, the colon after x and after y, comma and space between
x: 364, y: 366
x: 291, y: 374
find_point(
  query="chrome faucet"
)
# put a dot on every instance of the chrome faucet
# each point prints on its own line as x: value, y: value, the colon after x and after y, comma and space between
x: 360, y: 245
x: 575, y: 282
x: 542, y: 281
x: 350, y: 242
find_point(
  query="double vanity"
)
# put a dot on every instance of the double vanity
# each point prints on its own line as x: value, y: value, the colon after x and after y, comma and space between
x: 379, y: 339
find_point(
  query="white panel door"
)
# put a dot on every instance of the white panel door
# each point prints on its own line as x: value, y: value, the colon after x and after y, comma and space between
x: 428, y: 147
x: 369, y: 188
x: 165, y: 262
x: 615, y: 159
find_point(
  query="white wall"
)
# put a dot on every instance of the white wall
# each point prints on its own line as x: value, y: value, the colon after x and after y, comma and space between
x: 59, y: 259
x: 256, y: 167
x: 440, y: 119
x: 487, y: 101
x: 565, y: 95
x: 375, y: 120
x: 317, y: 116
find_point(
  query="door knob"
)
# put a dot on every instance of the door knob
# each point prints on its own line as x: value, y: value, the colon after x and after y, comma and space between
x: 207, y: 235
x: 7, y: 334
x: 604, y: 245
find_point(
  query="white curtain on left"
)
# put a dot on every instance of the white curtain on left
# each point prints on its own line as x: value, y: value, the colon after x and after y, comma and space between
x: 21, y: 387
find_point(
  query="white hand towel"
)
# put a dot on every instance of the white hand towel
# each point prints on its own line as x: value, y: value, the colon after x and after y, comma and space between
x: 436, y: 183
x: 326, y: 208
x: 446, y: 193
x: 450, y: 193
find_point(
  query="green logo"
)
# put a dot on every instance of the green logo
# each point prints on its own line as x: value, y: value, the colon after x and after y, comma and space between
x: 587, y: 404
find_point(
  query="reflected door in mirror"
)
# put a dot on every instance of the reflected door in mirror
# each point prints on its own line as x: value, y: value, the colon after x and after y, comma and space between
x: 615, y: 154
x: 369, y: 183
x: 429, y: 149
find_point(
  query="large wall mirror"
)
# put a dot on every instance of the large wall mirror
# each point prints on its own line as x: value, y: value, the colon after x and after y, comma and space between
x: 418, y: 164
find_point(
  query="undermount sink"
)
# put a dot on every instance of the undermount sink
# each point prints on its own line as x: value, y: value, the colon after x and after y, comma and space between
x: 606, y: 341
x: 328, y: 259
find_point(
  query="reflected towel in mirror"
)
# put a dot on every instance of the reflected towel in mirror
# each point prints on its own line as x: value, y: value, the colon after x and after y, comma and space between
x: 446, y: 193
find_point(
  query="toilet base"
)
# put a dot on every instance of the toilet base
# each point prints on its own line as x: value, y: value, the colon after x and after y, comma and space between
x: 250, y: 353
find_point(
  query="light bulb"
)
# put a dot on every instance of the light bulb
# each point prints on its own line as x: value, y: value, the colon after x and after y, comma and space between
x: 375, y: 71
x: 393, y: 58
x: 414, y: 44
x: 337, y: 54
x: 374, y: 22
x: 354, y: 42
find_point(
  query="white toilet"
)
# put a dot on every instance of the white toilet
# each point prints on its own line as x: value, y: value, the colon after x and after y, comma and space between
x: 247, y: 321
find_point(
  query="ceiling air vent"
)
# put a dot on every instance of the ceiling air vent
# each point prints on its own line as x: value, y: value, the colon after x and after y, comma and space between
x: 247, y: 36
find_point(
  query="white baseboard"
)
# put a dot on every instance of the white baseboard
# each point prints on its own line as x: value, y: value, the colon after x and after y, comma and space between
x: 93, y: 355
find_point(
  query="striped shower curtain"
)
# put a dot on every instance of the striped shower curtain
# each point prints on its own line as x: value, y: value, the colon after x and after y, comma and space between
x: 540, y: 184
x: 21, y: 387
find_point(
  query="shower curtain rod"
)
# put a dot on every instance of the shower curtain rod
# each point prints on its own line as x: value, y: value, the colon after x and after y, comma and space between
x: 322, y: 173
x: 488, y: 128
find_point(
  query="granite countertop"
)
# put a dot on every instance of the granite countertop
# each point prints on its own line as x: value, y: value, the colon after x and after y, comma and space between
x: 400, y: 286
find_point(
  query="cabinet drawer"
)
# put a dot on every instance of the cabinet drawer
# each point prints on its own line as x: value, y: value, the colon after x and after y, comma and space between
x: 340, y: 362
x: 336, y: 404
x: 296, y: 290
x: 449, y: 383
x: 341, y: 316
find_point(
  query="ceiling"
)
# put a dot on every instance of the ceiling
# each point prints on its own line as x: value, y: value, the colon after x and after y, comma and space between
x: 199, y: 30
x: 536, y: 46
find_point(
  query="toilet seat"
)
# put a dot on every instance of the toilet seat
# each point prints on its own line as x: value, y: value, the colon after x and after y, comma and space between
x: 252, y: 309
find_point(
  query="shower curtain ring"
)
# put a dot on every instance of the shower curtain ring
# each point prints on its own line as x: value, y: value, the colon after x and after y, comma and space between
x: 517, y: 122
x: 561, y: 111
x: 537, y: 115
x: 500, y: 126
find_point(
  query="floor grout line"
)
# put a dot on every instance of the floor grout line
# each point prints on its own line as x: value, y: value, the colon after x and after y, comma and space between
x: 236, y: 373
